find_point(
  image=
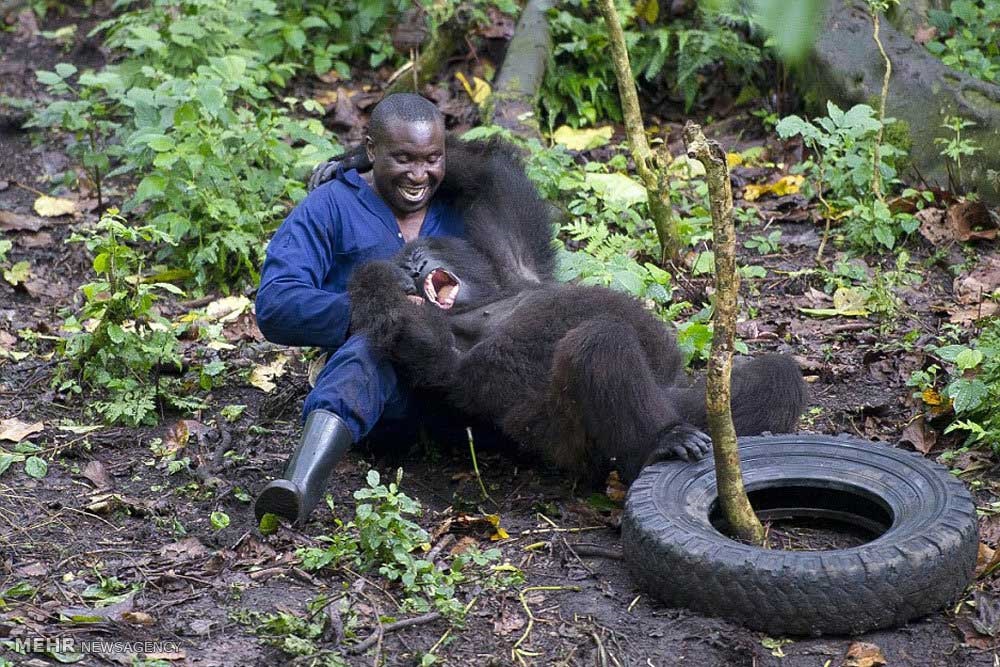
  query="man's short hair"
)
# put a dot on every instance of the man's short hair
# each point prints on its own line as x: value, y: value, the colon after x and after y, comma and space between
x: 407, y: 107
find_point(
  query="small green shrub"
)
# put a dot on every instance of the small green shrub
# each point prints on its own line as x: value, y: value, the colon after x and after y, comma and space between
x: 972, y: 386
x: 384, y: 538
x: 119, y: 357
x: 967, y: 37
x: 843, y: 145
x: 580, y: 85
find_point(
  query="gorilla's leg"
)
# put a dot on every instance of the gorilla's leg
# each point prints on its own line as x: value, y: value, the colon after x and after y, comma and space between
x: 602, y: 378
x: 768, y: 394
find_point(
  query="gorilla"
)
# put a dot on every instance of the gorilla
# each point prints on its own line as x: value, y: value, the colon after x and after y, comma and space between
x: 583, y: 375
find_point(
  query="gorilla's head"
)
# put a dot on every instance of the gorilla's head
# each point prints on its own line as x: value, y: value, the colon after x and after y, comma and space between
x: 449, y: 272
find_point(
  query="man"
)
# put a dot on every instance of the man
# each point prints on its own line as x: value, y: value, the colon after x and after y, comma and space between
x: 302, y: 298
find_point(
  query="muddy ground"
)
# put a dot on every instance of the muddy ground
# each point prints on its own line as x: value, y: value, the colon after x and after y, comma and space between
x: 108, y: 506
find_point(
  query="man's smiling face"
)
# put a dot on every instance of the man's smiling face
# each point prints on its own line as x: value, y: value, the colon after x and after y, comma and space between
x: 408, y: 164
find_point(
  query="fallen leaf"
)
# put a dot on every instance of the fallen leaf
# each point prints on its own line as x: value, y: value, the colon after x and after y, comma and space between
x: 786, y: 185
x: 112, y: 612
x: 179, y: 434
x: 617, y: 188
x: 971, y: 221
x: 508, y: 622
x: 316, y: 365
x: 986, y: 560
x: 918, y: 436
x: 582, y: 139
x: 974, y: 290
x: 847, y: 302
x: 227, y: 309
x: 53, y: 207
x: 138, y: 618
x: 15, y: 222
x: 263, y: 376
x: 98, y: 475
x: 864, y: 654
x: 35, y: 240
x: 16, y: 430
x: 478, y: 91
x: 932, y: 226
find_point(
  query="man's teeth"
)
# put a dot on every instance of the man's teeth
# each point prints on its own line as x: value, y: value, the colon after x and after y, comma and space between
x: 413, y: 194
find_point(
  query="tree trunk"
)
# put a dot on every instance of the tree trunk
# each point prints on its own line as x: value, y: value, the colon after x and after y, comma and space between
x: 646, y: 162
x: 728, y: 476
x: 516, y: 88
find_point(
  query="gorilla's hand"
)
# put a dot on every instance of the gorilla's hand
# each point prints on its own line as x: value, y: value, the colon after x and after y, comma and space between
x: 355, y: 158
x: 682, y: 441
x: 378, y: 295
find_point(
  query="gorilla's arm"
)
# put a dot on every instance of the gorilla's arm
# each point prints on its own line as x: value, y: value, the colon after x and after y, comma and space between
x: 402, y: 326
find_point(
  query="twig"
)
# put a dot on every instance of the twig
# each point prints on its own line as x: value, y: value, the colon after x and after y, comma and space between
x: 475, y: 467
x: 598, y: 551
x: 374, y: 637
x: 516, y: 652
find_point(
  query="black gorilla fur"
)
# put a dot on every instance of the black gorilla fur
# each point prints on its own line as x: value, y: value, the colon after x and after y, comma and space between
x: 585, y: 375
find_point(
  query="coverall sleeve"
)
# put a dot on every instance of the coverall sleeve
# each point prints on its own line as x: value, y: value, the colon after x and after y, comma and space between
x: 292, y: 306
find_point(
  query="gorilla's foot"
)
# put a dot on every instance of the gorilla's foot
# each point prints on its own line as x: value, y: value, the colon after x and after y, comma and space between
x: 325, y: 438
x: 682, y: 441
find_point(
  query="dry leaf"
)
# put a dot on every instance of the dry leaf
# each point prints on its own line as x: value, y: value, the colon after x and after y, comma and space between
x: 508, y: 622
x: 227, y: 309
x: 53, y: 207
x: 971, y: 220
x: 316, y: 365
x: 138, y: 618
x: 16, y: 430
x: 932, y: 226
x: 479, y: 90
x: 583, y: 139
x: 786, y: 185
x: 986, y: 559
x: 263, y: 377
x: 919, y: 436
x: 863, y: 654
x: 15, y: 222
x: 98, y: 475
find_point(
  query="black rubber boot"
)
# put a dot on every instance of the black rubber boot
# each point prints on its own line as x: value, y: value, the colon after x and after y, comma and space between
x: 325, y: 438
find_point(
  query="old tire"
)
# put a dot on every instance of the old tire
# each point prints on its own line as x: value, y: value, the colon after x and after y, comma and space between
x: 922, y: 560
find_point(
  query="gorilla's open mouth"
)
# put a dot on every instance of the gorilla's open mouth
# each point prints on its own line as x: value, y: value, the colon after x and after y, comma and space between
x: 441, y: 288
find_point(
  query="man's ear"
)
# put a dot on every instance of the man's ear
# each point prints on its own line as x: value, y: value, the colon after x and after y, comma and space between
x: 370, y: 147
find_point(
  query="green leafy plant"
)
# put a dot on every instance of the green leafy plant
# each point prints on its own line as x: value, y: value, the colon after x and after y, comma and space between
x: 843, y: 145
x: 967, y: 37
x: 89, y: 117
x: 579, y: 84
x: 120, y: 354
x: 956, y: 147
x: 383, y: 537
x: 967, y: 377
x: 765, y: 245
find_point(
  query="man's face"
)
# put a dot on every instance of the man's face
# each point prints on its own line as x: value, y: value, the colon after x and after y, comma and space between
x: 408, y: 165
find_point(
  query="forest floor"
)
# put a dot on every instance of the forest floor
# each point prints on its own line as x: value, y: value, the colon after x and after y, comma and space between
x: 109, y: 507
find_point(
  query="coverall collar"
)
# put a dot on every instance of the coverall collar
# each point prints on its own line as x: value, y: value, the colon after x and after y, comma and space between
x: 371, y: 200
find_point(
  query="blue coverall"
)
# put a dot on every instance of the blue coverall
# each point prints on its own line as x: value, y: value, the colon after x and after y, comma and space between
x: 302, y: 298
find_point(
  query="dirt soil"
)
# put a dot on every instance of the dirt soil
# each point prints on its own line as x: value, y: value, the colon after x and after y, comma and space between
x: 109, y: 507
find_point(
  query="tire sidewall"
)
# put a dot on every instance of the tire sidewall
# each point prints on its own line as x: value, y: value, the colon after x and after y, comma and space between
x: 922, y: 562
